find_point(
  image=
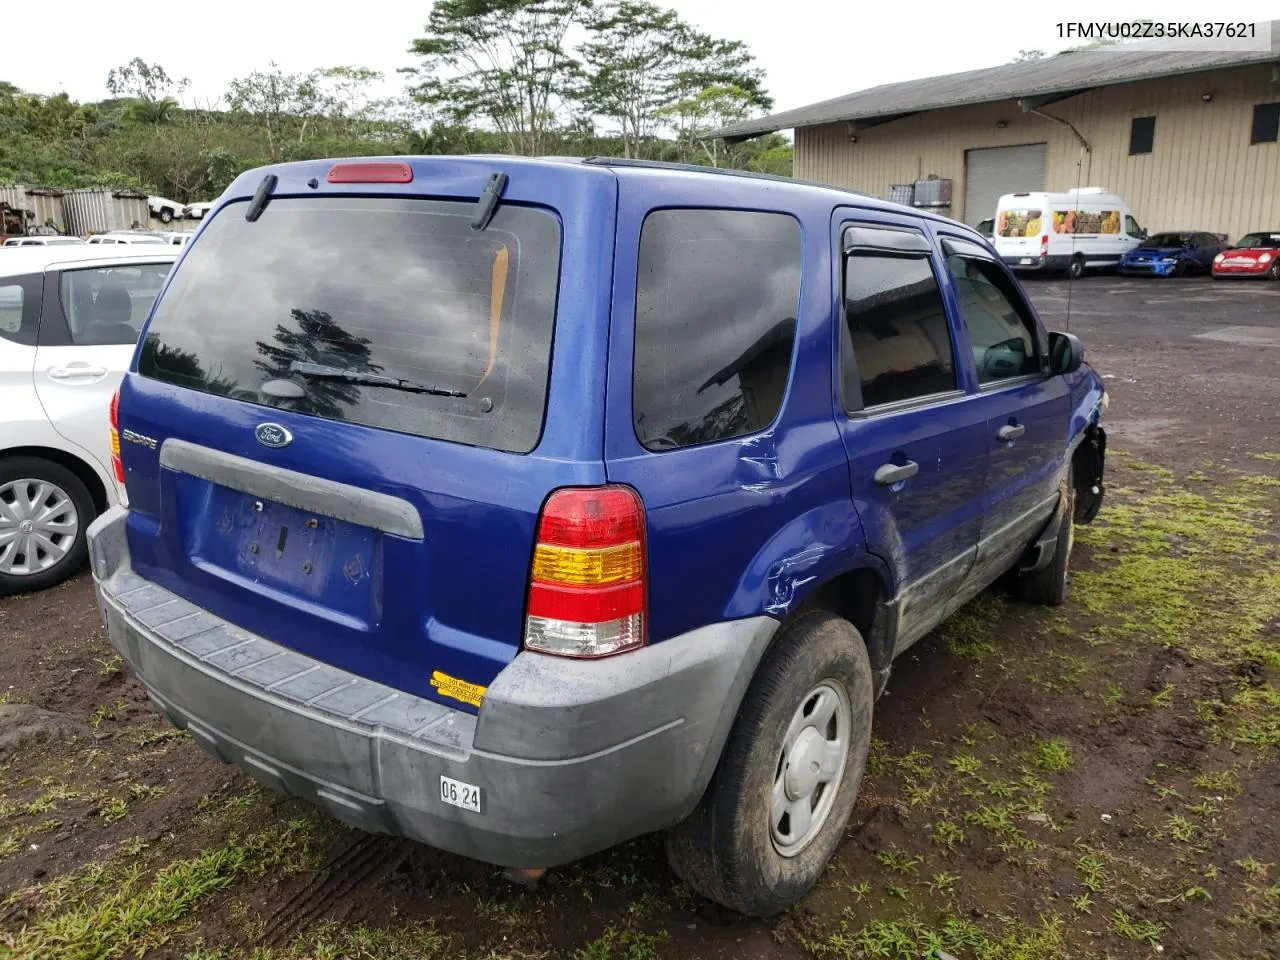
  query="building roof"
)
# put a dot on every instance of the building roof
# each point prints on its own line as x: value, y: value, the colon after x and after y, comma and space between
x: 1051, y: 78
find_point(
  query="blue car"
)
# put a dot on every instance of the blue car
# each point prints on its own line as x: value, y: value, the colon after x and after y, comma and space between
x: 1172, y: 254
x: 522, y: 507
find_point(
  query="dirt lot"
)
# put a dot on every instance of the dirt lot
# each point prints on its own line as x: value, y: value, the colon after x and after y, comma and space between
x: 1099, y: 780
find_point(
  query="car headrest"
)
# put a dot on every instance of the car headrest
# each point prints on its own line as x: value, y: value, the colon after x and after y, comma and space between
x: 112, y: 305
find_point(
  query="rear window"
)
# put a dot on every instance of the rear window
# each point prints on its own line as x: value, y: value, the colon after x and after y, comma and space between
x: 392, y: 313
x: 717, y: 293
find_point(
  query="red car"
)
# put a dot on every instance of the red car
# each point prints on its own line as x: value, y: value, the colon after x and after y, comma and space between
x: 1256, y: 255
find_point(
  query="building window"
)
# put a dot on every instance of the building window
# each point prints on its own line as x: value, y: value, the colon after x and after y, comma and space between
x: 1266, y: 123
x: 1142, y: 135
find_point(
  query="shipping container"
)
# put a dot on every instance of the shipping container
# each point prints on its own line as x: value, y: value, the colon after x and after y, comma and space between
x: 43, y: 203
x: 101, y: 210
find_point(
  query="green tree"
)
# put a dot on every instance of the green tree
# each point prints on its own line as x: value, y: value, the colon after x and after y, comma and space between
x: 504, y: 62
x: 152, y: 92
x: 718, y: 83
x: 276, y: 101
x: 634, y: 51
x: 707, y: 110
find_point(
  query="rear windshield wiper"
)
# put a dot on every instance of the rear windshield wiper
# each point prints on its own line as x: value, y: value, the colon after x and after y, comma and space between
x: 321, y: 371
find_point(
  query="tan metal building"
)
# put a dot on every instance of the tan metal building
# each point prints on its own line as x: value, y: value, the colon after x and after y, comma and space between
x: 1190, y: 140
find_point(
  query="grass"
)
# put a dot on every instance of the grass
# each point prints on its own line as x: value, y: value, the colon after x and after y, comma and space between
x: 100, y: 914
x: 911, y: 937
x: 898, y: 861
x: 622, y: 943
x: 1053, y: 755
x: 1142, y: 931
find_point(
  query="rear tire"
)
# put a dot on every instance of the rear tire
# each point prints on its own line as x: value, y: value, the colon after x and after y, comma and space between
x: 1075, y: 269
x: 44, y: 543
x: 1048, y: 585
x: 734, y: 848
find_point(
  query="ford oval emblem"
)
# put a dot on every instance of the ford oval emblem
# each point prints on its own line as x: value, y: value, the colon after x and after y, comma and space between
x: 273, y: 435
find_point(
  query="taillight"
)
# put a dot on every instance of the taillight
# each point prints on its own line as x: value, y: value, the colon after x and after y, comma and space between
x: 116, y: 466
x: 587, y: 588
x: 1044, y: 245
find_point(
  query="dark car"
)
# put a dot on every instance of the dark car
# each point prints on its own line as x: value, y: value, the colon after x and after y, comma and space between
x: 522, y: 507
x: 1172, y: 254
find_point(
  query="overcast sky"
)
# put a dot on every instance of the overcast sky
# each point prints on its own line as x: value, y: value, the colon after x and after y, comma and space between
x: 811, y: 49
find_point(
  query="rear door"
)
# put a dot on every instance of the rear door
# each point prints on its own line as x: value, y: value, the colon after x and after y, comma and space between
x: 1025, y: 409
x: 89, y: 324
x: 913, y: 431
x: 1020, y: 224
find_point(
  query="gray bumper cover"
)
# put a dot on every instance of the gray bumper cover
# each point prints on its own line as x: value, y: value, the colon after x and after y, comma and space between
x: 572, y: 756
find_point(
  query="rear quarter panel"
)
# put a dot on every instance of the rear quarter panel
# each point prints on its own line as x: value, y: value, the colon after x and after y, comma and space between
x: 749, y: 525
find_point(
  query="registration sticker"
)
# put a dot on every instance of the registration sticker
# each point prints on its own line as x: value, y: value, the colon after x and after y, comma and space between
x: 457, y: 689
x: 458, y: 794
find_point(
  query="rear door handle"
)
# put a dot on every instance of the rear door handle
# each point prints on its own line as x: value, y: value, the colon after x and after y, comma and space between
x: 890, y: 473
x: 1010, y: 431
x: 75, y: 370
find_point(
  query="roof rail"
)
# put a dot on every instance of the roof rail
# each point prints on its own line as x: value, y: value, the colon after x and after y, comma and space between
x: 720, y: 171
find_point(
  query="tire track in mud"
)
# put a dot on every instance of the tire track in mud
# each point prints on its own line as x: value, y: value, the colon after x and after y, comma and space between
x: 359, y: 860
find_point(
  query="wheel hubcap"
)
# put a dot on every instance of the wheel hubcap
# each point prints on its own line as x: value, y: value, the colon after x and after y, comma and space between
x: 38, y: 526
x: 810, y: 766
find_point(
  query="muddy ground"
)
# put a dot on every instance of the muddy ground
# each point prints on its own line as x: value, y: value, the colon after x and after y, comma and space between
x: 1097, y: 780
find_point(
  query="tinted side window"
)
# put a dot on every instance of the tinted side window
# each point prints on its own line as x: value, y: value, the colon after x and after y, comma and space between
x: 899, y: 340
x: 717, y: 292
x: 1131, y: 226
x: 20, y: 309
x: 1001, y: 333
x: 107, y: 305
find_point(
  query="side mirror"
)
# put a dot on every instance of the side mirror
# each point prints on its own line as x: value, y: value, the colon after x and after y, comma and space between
x: 1142, y: 233
x: 1066, y: 353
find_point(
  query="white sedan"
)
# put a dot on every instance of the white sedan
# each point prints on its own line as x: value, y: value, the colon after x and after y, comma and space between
x: 61, y: 359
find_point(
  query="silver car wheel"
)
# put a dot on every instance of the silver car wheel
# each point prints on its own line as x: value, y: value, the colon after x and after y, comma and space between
x: 38, y: 526
x: 810, y: 767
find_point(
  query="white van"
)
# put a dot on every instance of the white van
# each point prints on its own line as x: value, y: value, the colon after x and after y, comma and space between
x: 1073, y: 231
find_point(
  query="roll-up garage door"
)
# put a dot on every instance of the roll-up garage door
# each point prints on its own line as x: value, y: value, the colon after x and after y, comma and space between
x: 995, y: 171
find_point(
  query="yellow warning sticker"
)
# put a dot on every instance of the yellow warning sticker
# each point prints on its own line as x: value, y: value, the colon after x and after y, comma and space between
x: 456, y: 689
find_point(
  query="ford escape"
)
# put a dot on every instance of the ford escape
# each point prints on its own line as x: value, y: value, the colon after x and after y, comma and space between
x: 522, y: 507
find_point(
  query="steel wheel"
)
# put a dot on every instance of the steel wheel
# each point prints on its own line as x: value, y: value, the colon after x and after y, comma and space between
x: 809, y: 769
x: 38, y: 526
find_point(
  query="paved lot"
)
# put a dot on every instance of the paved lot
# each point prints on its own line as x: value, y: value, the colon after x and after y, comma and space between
x: 1097, y: 780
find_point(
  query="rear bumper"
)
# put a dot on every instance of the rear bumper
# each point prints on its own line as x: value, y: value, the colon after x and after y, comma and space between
x: 1037, y: 263
x: 572, y: 756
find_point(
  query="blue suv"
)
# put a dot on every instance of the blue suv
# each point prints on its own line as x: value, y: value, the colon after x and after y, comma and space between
x: 522, y: 507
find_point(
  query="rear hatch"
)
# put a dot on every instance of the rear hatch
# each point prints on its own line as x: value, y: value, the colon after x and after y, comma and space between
x: 352, y: 404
